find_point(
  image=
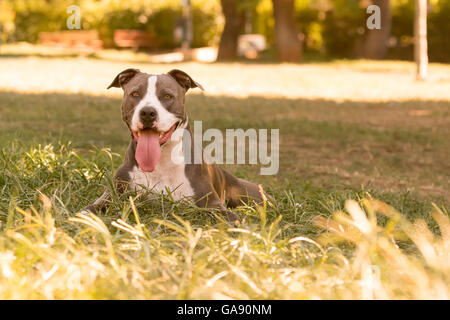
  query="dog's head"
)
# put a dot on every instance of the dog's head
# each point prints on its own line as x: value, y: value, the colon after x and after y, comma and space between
x: 152, y: 108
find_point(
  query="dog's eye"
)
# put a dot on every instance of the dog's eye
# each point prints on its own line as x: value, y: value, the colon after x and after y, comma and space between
x: 167, y: 96
x: 135, y: 94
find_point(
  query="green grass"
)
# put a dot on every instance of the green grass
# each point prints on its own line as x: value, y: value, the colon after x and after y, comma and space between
x: 61, y: 138
x: 161, y: 249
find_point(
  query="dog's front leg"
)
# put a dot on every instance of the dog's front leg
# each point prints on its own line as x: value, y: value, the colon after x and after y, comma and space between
x: 100, y: 204
x: 121, y: 181
x: 211, y: 200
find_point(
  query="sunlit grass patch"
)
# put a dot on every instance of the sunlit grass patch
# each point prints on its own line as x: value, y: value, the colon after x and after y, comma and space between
x: 341, y: 81
x: 161, y: 249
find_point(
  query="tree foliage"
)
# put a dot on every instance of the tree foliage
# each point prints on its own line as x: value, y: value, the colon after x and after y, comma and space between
x: 329, y: 28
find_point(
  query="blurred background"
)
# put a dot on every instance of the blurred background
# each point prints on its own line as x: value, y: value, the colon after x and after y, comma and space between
x: 308, y: 29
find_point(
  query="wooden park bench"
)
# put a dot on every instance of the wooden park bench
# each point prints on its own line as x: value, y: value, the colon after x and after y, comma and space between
x: 134, y: 39
x: 74, y: 39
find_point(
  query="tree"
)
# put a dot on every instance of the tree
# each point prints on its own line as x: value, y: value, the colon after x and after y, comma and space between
x: 420, y: 39
x: 234, y: 19
x: 287, y: 42
x: 375, y: 40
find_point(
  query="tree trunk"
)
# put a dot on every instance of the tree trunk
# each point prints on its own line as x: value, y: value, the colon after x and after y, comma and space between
x: 287, y: 42
x: 375, y: 41
x: 233, y: 24
x: 420, y: 39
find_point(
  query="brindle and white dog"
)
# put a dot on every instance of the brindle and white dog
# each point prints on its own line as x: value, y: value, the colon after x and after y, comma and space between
x: 153, y: 109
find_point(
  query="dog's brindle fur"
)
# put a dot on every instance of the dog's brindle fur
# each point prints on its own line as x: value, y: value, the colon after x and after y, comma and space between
x: 209, y: 185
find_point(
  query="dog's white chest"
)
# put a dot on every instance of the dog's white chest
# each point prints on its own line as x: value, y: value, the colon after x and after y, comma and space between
x: 165, y: 178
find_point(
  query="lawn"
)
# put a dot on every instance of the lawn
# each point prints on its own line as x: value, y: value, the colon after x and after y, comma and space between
x: 357, y: 130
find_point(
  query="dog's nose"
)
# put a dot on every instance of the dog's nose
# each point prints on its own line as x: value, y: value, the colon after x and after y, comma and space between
x: 148, y: 115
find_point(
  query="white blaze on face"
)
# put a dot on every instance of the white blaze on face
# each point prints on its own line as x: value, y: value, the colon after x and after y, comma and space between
x: 165, y: 119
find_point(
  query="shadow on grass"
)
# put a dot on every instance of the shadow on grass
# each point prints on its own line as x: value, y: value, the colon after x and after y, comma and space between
x: 393, y: 146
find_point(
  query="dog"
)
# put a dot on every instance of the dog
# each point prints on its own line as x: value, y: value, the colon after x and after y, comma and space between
x: 153, y: 110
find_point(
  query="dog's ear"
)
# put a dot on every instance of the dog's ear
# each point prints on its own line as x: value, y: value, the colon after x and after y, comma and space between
x: 184, y: 79
x: 122, y: 78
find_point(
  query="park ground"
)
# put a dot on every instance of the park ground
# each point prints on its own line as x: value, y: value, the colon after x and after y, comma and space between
x: 358, y: 130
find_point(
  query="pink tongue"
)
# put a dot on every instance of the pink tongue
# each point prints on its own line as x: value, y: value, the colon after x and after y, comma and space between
x: 148, y: 150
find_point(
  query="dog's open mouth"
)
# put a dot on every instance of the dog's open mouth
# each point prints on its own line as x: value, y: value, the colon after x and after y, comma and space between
x: 148, y: 150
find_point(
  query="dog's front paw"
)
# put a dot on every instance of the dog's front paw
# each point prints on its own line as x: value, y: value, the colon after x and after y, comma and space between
x: 233, y: 218
x: 87, y: 210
